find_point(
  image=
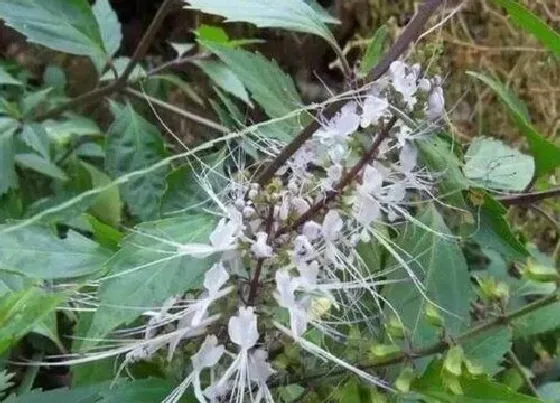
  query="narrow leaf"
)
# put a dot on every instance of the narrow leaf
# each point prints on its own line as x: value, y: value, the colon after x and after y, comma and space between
x: 224, y: 78
x: 8, y: 176
x: 532, y: 24
x: 7, y: 79
x: 374, y: 50
x: 40, y: 164
x: 109, y: 26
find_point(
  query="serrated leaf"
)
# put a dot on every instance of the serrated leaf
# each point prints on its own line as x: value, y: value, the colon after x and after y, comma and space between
x: 20, y: 311
x: 293, y: 15
x: 37, y: 253
x: 476, y: 389
x: 64, y: 25
x: 532, y: 24
x: 133, y: 143
x: 33, y: 99
x: 8, y: 175
x: 36, y: 137
x: 374, y: 50
x: 224, y: 78
x: 109, y: 26
x: 7, y: 79
x: 41, y: 165
x: 490, y: 163
x: 119, y: 66
x: 440, y: 266
x: 488, y: 348
x: 147, y: 269
x: 547, y: 154
x: 269, y: 86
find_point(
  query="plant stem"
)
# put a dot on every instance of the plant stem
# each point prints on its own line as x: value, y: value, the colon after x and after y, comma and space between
x: 519, y: 367
x: 409, y: 35
x: 347, y: 179
x: 528, y: 198
x: 120, y: 83
x: 441, y: 346
x: 179, y: 111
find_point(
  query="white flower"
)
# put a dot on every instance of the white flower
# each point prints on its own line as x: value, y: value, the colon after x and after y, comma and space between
x: 435, y: 106
x: 207, y: 357
x: 300, y: 205
x: 408, y: 158
x: 373, y: 109
x: 342, y: 124
x: 285, y: 296
x: 311, y: 230
x: 404, y: 80
x: 332, y: 225
x: 334, y: 173
x: 242, y: 328
x: 259, y: 247
x: 259, y: 370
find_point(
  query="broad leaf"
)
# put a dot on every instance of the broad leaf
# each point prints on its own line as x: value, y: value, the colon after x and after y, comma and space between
x: 64, y: 25
x: 109, y: 26
x: 36, y: 137
x: 547, y: 154
x: 438, y: 263
x: 478, y: 389
x: 19, y: 312
x: 132, y: 144
x: 489, y: 348
x: 40, y: 164
x: 107, y: 205
x: 224, y: 78
x: 490, y: 163
x: 541, y: 320
x: 532, y: 24
x: 86, y: 394
x: 8, y: 175
x: 293, y: 15
x: 36, y: 252
x: 137, y: 391
x: 148, y: 270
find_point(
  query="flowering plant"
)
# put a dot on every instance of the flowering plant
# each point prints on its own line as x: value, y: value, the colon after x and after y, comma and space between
x: 332, y: 241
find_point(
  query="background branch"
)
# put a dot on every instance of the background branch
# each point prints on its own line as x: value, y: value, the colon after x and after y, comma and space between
x: 528, y: 198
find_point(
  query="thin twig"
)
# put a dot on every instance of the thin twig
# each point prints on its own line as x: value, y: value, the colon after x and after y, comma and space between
x: 179, y: 111
x: 175, y: 63
x: 120, y: 83
x: 519, y: 367
x: 409, y: 35
x: 344, y: 181
x: 528, y: 198
x: 438, y: 347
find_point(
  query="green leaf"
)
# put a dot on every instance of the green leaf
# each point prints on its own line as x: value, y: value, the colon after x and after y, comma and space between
x: 541, y: 320
x: 374, y: 50
x: 109, y: 26
x: 133, y: 143
x: 224, y: 78
x: 476, y: 389
x: 490, y: 163
x: 439, y: 265
x: 107, y: 205
x: 19, y: 312
x: 36, y: 252
x: 33, y: 99
x: 488, y: 348
x: 547, y: 154
x: 147, y: 270
x: 494, y: 232
x: 137, y: 391
x: 438, y: 156
x: 269, y: 86
x: 8, y: 175
x: 64, y: 25
x: 7, y: 79
x: 40, y: 164
x: 86, y: 394
x: 36, y: 137
x: 6, y: 382
x: 532, y: 24
x: 293, y: 15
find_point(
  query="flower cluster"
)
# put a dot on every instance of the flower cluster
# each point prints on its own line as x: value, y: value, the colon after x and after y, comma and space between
x: 288, y: 249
